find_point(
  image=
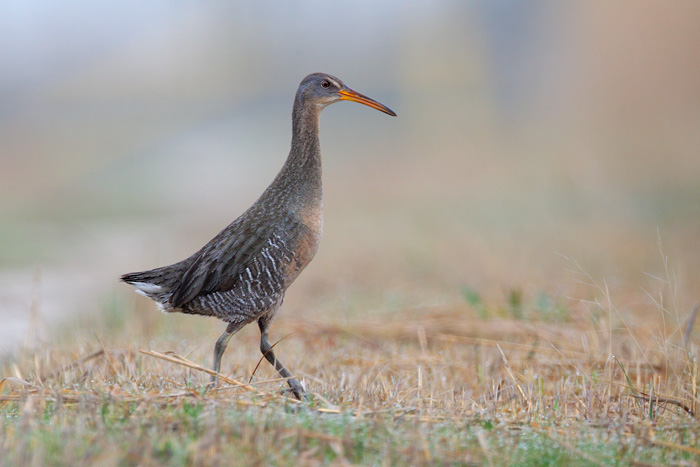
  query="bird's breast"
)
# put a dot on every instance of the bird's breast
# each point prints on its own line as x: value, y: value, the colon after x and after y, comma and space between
x: 307, y: 241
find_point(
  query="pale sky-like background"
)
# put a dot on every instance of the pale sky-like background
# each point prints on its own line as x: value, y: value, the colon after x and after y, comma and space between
x: 131, y: 132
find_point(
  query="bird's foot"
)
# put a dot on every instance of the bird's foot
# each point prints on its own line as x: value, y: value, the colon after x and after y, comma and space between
x: 296, y: 389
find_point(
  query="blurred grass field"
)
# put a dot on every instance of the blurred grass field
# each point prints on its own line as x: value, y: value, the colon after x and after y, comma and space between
x: 509, y: 269
x: 525, y: 380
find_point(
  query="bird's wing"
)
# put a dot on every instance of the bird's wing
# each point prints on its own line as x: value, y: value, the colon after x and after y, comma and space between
x: 249, y: 247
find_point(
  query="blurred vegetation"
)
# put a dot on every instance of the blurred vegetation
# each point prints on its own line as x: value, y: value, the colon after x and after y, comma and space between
x: 433, y: 385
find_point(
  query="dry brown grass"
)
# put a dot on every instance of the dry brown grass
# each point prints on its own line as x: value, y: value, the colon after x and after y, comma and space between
x: 529, y: 381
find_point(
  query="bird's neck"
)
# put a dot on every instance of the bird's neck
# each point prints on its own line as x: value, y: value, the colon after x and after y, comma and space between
x: 306, y: 148
x: 301, y: 174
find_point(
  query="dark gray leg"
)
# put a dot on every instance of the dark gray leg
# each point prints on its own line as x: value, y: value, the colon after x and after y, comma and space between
x: 220, y: 346
x: 266, y: 349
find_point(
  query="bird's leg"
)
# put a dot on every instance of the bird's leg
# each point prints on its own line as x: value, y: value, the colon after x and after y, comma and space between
x: 220, y: 347
x: 266, y: 349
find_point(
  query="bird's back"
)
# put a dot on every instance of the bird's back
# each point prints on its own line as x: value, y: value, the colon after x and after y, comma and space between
x: 245, y: 269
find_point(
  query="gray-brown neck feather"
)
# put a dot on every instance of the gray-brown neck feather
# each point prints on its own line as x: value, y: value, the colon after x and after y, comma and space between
x: 299, y: 180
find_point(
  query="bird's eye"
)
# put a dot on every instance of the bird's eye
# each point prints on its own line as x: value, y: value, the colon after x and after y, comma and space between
x: 325, y: 84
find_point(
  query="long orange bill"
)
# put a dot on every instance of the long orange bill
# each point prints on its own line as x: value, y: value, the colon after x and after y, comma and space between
x: 348, y: 94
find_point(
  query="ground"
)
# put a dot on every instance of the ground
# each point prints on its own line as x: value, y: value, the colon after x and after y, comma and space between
x: 525, y: 380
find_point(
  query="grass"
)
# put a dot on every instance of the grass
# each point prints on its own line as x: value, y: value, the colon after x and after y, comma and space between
x: 524, y: 380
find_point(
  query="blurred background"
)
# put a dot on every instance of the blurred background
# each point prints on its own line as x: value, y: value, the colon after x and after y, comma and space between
x: 535, y: 141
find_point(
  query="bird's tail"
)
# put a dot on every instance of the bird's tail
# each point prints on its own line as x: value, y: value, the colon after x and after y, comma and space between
x: 156, y: 284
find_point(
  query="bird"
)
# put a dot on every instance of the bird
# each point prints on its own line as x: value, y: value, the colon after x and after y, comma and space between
x: 242, y: 274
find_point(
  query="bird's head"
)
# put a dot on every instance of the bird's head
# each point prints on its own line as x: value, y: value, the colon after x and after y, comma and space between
x: 323, y: 89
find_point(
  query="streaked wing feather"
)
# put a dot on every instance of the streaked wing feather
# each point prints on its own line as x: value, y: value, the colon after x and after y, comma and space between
x: 219, y: 265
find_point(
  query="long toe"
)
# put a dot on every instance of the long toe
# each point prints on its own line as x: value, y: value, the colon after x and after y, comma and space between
x: 300, y: 394
x: 297, y: 390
